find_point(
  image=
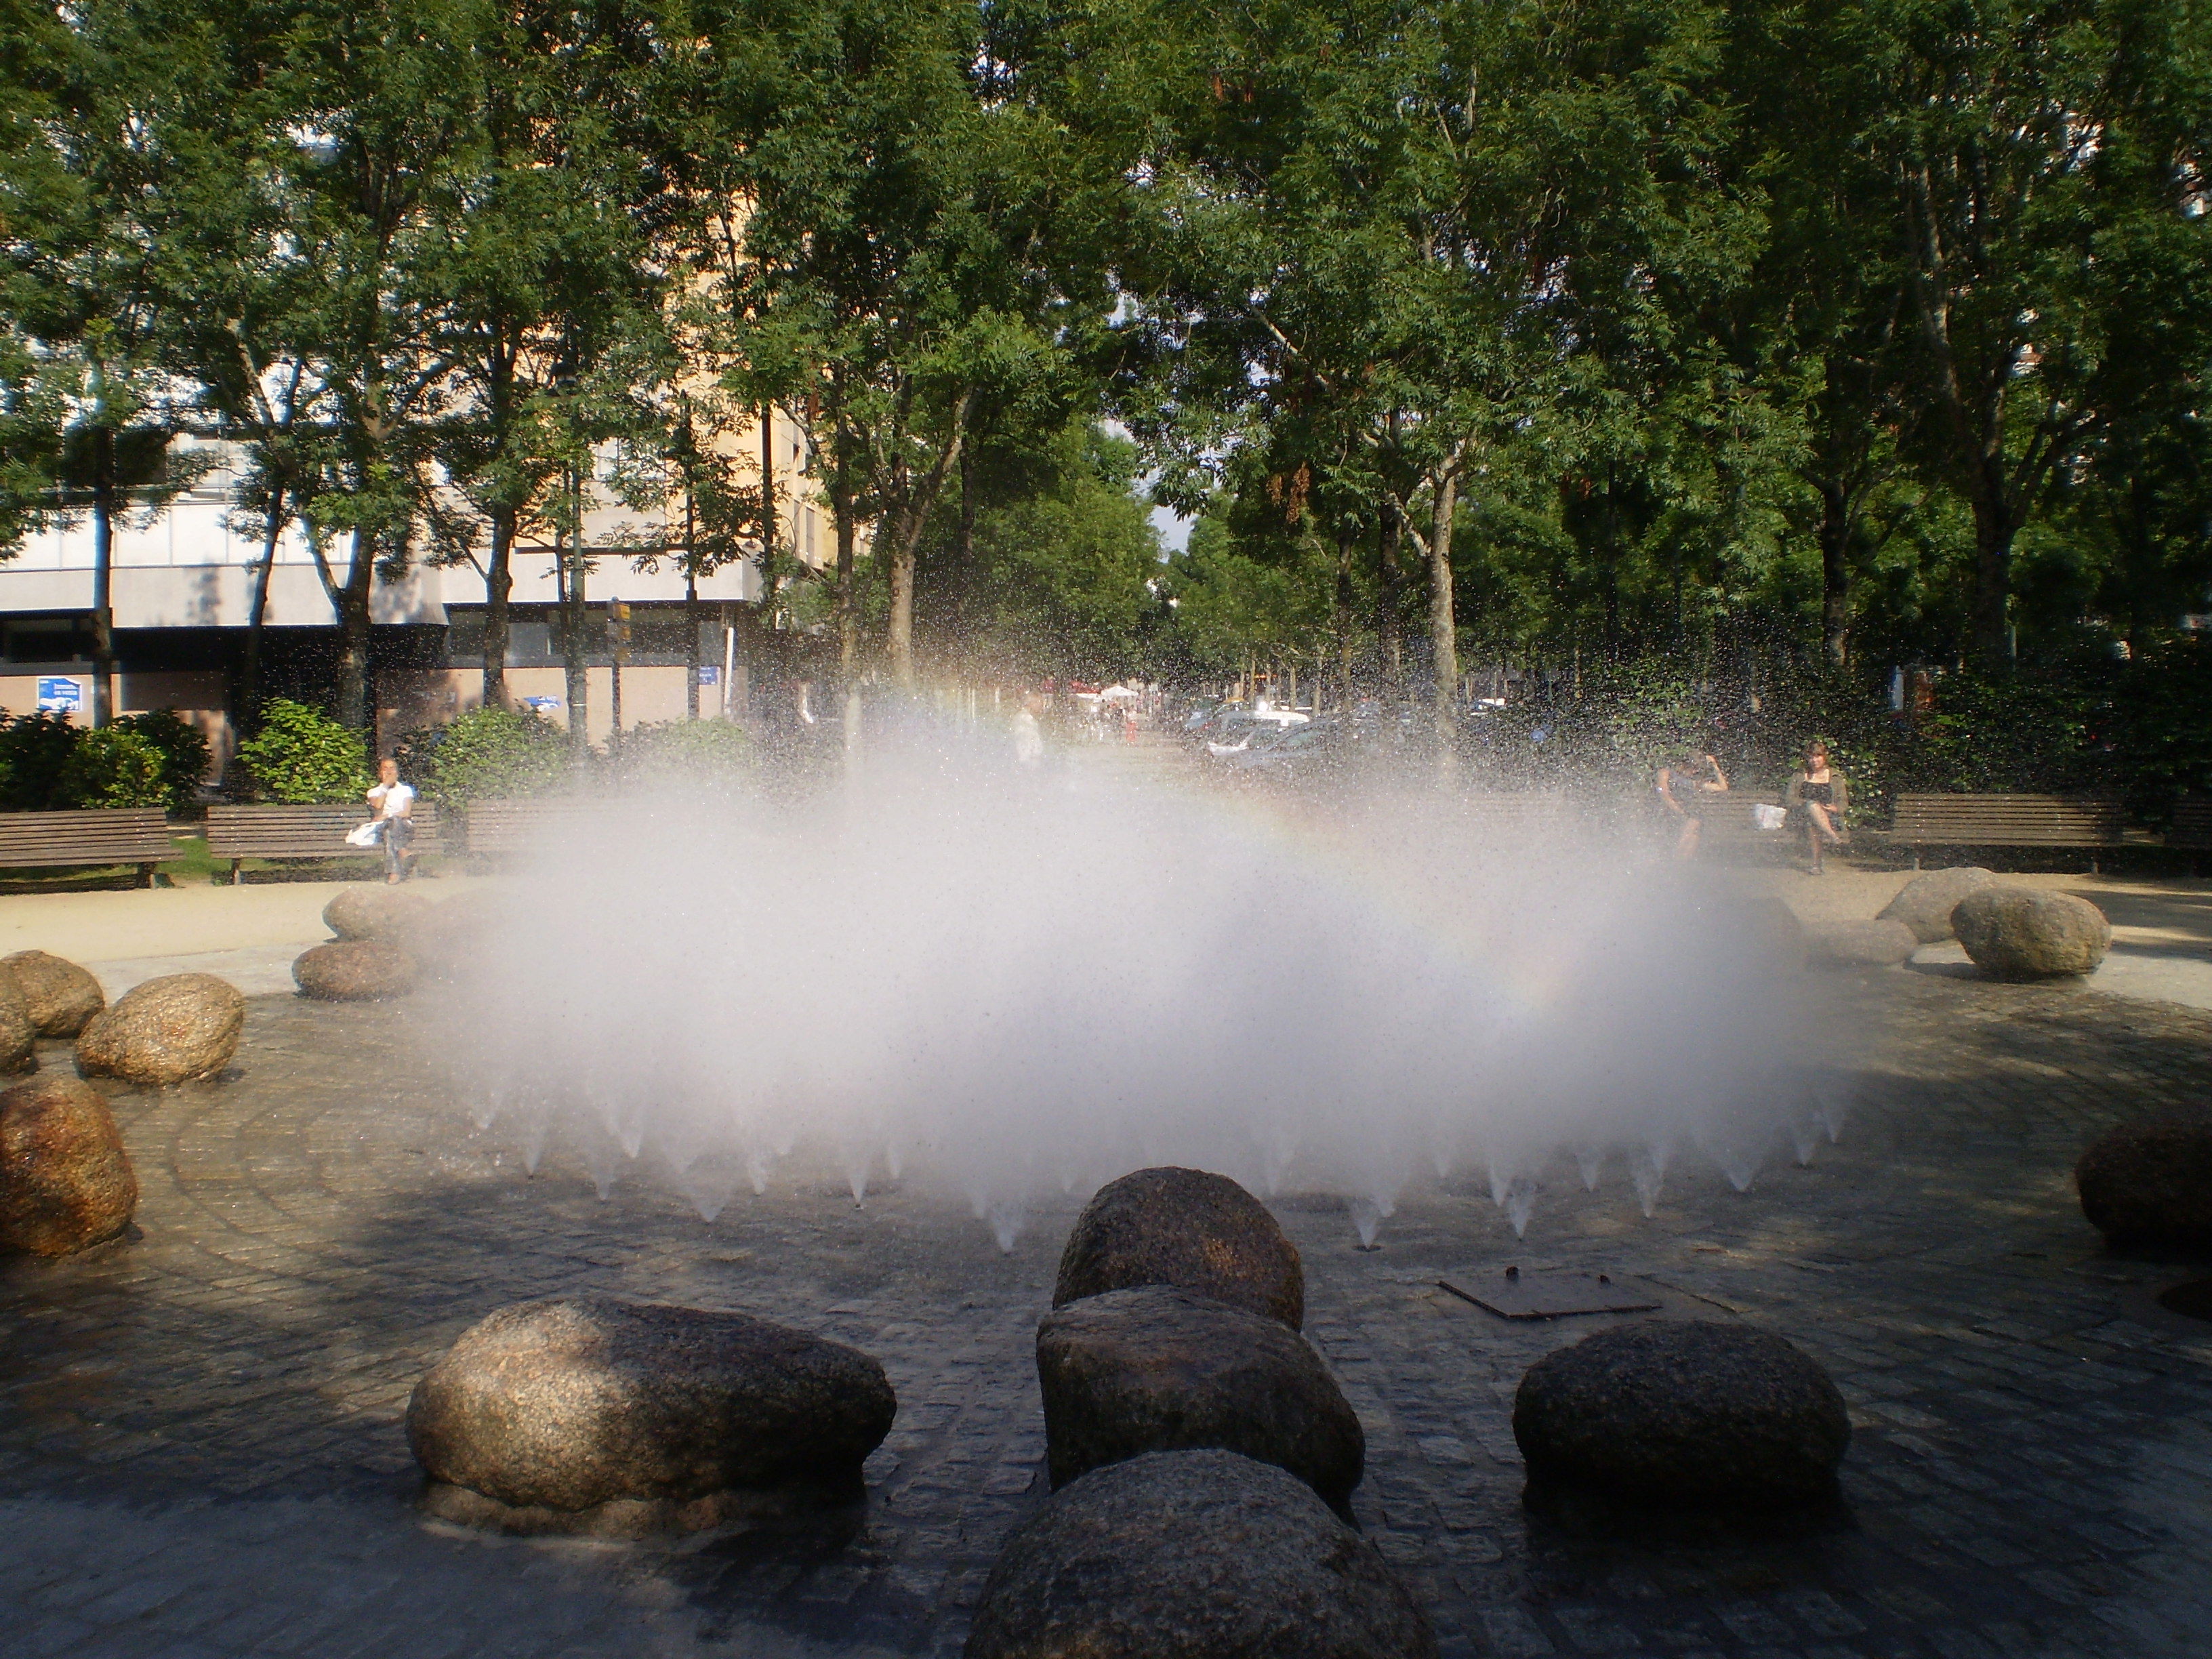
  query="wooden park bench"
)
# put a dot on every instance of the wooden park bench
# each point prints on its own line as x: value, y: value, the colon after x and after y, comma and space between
x: 2192, y: 829
x: 499, y: 826
x: 93, y: 836
x: 2080, y: 821
x: 239, y: 833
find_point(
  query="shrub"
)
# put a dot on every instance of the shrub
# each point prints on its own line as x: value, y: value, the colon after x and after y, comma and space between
x: 302, y: 754
x: 34, y: 749
x: 488, y: 753
x: 711, y: 755
x: 114, y: 766
x: 183, y: 748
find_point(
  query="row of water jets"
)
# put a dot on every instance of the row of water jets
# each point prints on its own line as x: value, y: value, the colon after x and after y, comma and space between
x: 610, y: 1140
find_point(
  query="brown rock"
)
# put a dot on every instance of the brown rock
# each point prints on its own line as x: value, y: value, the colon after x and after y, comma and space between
x: 166, y: 1030
x: 64, y: 1182
x: 1193, y: 1555
x: 354, y: 971
x: 63, y: 996
x: 1687, y: 1412
x: 553, y: 1408
x: 18, y: 1036
x: 2149, y: 1182
x: 1860, y: 943
x: 1924, y: 903
x: 1188, y: 1228
x: 1157, y: 1369
x: 2024, y: 933
x: 364, y: 910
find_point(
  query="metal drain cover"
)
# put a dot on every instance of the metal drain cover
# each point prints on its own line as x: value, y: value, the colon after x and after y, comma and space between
x: 1512, y: 1294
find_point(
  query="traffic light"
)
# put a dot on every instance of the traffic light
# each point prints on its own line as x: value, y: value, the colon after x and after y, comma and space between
x: 619, y: 628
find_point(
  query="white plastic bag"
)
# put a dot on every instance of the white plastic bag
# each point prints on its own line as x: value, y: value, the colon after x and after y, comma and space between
x: 1764, y: 816
x: 364, y: 835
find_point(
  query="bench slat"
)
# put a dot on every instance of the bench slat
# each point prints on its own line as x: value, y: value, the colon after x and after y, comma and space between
x: 85, y: 836
x: 2007, y: 820
x: 316, y: 831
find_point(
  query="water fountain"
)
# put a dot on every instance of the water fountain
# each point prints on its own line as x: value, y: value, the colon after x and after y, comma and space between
x: 1017, y: 987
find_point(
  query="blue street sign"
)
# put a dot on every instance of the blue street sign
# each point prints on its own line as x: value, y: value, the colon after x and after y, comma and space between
x: 60, y: 695
x: 543, y: 705
x: 709, y: 674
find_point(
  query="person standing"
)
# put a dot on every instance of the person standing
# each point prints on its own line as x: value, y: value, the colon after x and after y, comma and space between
x: 394, y: 802
x: 1682, y: 786
x: 1820, y: 798
x: 1028, y: 738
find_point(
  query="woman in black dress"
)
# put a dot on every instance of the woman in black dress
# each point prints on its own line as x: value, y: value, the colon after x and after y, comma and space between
x: 1819, y: 797
x: 1682, y: 786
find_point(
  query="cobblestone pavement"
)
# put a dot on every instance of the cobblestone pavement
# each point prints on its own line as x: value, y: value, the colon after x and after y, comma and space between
x: 201, y: 1452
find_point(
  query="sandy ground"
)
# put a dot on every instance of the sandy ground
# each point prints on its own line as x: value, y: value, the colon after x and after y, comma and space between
x: 248, y: 935
x: 2161, y: 929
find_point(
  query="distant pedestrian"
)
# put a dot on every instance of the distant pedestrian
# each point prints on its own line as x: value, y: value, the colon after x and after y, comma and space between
x: 1682, y: 786
x: 1029, y: 736
x: 394, y: 802
x: 1819, y: 798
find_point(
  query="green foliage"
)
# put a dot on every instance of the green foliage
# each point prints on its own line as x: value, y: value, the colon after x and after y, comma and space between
x: 302, y: 754
x: 488, y: 754
x: 182, y: 746
x: 113, y: 766
x: 706, y: 757
x: 34, y: 752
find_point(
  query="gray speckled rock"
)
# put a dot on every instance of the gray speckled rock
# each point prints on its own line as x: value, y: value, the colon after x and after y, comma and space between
x: 1684, y: 1411
x: 1860, y: 943
x: 1924, y: 903
x: 64, y: 1182
x: 377, y: 910
x: 1158, y: 1369
x: 19, y: 1037
x: 1188, y: 1228
x: 2024, y: 933
x: 2149, y: 1182
x: 354, y: 971
x: 552, y: 1410
x: 62, y: 995
x: 168, y: 1031
x: 1193, y: 1555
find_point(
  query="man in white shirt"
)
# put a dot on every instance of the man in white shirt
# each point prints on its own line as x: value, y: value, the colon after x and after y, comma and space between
x: 1029, y: 739
x: 394, y: 802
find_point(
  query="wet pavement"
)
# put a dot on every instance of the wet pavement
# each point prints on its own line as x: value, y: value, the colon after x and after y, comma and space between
x: 201, y: 1452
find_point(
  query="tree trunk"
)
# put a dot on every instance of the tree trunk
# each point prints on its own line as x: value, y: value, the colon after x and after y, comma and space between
x: 1388, y: 640
x: 1991, y: 631
x: 768, y: 504
x: 1444, y: 624
x: 246, y: 703
x: 103, y: 571
x: 690, y: 642
x: 1835, y: 574
x: 1342, y: 620
x: 906, y: 544
x: 574, y: 670
x: 353, y: 637
x: 848, y: 610
x: 499, y: 586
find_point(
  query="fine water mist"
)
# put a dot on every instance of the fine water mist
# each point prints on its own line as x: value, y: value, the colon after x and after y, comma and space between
x: 1009, y: 985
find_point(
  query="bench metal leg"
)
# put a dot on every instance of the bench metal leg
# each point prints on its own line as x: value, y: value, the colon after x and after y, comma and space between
x: 237, y: 866
x: 145, y: 875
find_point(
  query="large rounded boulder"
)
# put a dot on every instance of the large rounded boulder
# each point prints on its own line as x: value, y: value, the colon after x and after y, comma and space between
x: 2024, y: 933
x: 354, y: 971
x: 1158, y: 1368
x: 62, y: 995
x: 64, y: 1182
x: 2149, y: 1182
x: 169, y: 1029
x: 565, y: 1413
x: 1924, y: 903
x: 1193, y: 1555
x: 381, y: 911
x: 1683, y: 1412
x: 1860, y: 943
x: 19, y: 1037
x: 1188, y: 1228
